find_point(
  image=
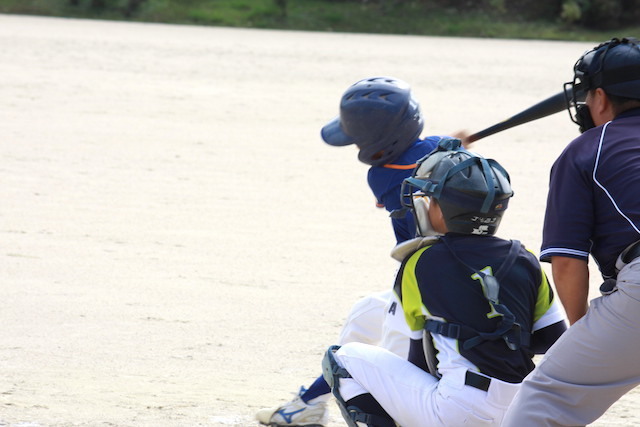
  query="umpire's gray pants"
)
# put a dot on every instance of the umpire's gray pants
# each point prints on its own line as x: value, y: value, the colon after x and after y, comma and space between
x: 590, y: 367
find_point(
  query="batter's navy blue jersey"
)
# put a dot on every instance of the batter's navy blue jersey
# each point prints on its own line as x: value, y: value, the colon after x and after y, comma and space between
x: 593, y: 203
x: 433, y: 284
x: 385, y: 182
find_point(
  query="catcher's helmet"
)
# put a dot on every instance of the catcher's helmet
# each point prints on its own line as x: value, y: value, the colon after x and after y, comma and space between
x: 613, y: 66
x: 380, y: 116
x: 473, y: 192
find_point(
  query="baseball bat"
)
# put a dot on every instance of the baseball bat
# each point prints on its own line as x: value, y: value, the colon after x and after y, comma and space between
x: 551, y: 105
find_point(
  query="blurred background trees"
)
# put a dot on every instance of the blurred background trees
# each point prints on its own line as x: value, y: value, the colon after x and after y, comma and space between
x: 542, y: 19
x: 128, y: 8
x: 597, y: 14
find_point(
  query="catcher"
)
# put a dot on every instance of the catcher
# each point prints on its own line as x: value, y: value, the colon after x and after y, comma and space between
x: 479, y: 308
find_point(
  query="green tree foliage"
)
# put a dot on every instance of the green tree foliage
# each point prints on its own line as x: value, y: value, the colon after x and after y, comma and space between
x: 542, y: 19
x: 590, y: 14
x: 611, y: 13
x: 126, y: 8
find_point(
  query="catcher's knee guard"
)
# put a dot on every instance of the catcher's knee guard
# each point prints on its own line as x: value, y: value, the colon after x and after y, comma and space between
x: 332, y: 372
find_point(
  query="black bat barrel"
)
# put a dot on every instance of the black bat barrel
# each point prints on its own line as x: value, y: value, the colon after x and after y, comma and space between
x: 551, y: 105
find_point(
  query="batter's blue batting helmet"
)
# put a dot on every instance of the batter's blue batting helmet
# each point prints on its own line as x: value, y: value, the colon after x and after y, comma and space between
x: 380, y: 116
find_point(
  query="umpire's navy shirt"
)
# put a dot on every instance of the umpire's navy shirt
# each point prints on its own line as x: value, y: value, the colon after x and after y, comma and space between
x: 593, y: 204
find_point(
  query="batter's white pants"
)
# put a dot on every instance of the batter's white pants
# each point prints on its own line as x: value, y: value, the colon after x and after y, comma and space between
x: 378, y: 319
x: 594, y: 363
x: 413, y: 397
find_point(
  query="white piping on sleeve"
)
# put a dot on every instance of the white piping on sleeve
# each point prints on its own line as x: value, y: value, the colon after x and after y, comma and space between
x: 567, y: 251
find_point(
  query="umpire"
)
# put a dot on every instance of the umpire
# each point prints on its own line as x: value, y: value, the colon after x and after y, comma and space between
x: 593, y: 208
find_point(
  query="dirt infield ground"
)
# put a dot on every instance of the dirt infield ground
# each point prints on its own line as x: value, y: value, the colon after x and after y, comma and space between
x: 178, y: 245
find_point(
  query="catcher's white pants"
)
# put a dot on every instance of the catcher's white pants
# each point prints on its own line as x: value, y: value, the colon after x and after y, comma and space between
x: 413, y: 397
x: 378, y: 319
x: 594, y: 363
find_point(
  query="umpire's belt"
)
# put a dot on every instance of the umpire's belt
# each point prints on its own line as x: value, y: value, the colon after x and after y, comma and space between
x: 477, y: 381
x: 631, y: 253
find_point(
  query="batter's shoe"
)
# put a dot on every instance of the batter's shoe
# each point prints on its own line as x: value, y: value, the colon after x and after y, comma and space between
x: 296, y: 413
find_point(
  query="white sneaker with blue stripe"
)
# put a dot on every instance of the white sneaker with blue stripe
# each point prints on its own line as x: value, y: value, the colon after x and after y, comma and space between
x: 296, y: 413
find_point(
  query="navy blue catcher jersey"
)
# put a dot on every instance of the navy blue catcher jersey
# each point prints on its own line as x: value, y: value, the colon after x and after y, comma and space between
x: 593, y: 205
x: 385, y: 181
x: 433, y: 284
